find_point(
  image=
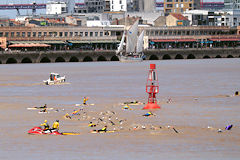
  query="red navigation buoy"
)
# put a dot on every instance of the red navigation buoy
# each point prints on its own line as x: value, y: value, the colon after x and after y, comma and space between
x: 152, y: 88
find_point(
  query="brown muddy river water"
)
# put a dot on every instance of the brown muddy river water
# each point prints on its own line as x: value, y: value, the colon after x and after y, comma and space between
x: 201, y: 103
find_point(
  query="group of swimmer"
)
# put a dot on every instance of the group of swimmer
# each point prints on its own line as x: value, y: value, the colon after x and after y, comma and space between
x: 55, y: 126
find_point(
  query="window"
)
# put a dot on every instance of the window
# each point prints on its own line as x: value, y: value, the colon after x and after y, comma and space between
x: 39, y: 34
x: 34, y: 34
x: 169, y: 0
x: 120, y: 2
x: 101, y: 34
x: 45, y: 34
x: 169, y: 5
x: 181, y: 5
x: 18, y: 34
x: 1, y: 34
x: 86, y: 34
x: 76, y: 34
x: 91, y: 34
x: 12, y: 34
x: 176, y: 5
x: 176, y: 0
x: 29, y: 34
x: 186, y: 0
x: 6, y: 34
x: 81, y: 34
x: 96, y: 34
x: 151, y: 34
x: 190, y: 4
x: 23, y: 34
x: 71, y: 34
x: 168, y: 10
x: 60, y: 34
x: 65, y: 34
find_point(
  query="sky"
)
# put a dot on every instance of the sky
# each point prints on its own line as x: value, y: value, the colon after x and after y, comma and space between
x: 13, y: 13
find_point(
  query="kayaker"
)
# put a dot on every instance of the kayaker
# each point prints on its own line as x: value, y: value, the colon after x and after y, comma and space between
x: 55, y: 125
x: 45, y: 106
x: 85, y: 100
x: 104, y: 129
x: 45, y: 125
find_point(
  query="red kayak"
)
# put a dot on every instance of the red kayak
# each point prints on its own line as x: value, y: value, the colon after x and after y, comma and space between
x: 40, y: 131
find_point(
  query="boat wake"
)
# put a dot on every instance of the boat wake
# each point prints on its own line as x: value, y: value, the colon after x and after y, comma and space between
x: 20, y: 85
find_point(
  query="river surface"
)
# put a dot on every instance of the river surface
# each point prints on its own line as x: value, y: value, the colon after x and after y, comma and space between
x: 201, y: 93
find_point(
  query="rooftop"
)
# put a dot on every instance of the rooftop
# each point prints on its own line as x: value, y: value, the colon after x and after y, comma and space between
x: 179, y: 16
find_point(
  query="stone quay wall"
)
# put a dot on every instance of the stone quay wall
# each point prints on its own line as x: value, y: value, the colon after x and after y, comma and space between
x: 104, y: 55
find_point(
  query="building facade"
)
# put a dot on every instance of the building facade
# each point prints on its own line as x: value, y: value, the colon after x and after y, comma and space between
x: 118, y: 5
x: 232, y: 4
x: 179, y: 6
x: 95, y: 6
x: 56, y: 7
x: 214, y: 18
x: 94, y: 38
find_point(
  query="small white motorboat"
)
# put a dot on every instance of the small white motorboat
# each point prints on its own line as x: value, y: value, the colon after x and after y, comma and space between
x: 55, y: 78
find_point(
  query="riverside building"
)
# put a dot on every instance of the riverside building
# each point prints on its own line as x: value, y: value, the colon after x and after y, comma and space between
x: 107, y: 38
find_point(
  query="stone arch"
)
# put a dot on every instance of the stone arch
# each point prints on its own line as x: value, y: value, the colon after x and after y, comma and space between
x: 114, y: 58
x: 191, y: 56
x: 218, y: 56
x: 60, y: 59
x: 87, y: 59
x: 101, y: 58
x: 11, y: 61
x: 153, y: 57
x: 26, y: 60
x: 166, y: 56
x: 179, y: 56
x: 206, y: 57
x: 230, y: 56
x: 45, y: 60
x: 73, y: 59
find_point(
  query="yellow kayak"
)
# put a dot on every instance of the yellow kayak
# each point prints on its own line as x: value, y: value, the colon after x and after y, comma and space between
x: 70, y: 133
x: 102, y: 132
